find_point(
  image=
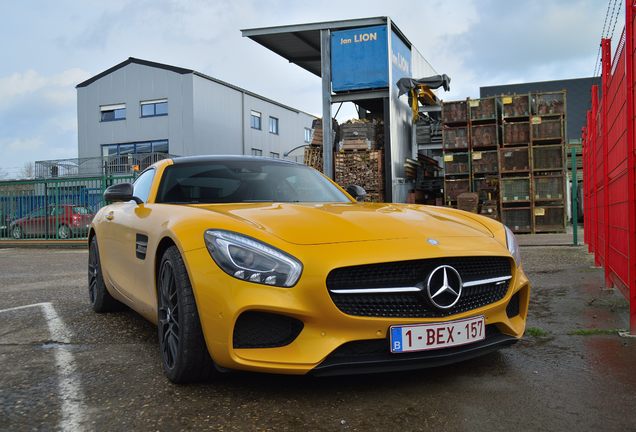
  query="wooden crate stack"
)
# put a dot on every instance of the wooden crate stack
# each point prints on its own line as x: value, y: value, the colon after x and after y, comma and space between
x: 456, y: 146
x: 547, y: 136
x: 470, y: 141
x: 485, y: 133
x: 516, y: 161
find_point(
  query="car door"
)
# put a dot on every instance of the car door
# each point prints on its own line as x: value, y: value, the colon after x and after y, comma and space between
x: 127, y: 235
x: 35, y: 223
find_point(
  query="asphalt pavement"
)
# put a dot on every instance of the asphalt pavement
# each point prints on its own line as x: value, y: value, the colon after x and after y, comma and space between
x: 65, y: 367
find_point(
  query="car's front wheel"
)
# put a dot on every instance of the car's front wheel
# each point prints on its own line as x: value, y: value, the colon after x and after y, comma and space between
x: 63, y: 232
x: 16, y: 232
x: 100, y: 298
x: 184, y: 353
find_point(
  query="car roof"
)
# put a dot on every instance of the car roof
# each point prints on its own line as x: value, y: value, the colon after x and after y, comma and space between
x: 230, y: 158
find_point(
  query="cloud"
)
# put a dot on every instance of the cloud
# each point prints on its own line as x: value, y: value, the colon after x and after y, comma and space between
x: 477, y: 43
x: 22, y: 144
x: 58, y: 89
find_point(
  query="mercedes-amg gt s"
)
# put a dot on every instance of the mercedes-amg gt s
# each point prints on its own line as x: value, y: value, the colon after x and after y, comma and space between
x: 267, y: 265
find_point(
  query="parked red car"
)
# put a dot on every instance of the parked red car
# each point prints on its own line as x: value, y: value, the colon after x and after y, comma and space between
x: 60, y: 221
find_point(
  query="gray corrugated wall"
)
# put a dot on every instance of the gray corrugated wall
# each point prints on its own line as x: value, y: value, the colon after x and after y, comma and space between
x: 130, y: 85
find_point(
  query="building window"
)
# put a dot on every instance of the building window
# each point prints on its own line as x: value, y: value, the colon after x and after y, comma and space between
x: 307, y: 135
x: 112, y: 112
x: 257, y: 152
x: 255, y: 120
x: 154, y: 108
x: 159, y: 146
x: 274, y: 155
x: 273, y: 125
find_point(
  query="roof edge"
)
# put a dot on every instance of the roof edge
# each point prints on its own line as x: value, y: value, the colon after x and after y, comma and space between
x: 337, y: 24
x: 130, y: 60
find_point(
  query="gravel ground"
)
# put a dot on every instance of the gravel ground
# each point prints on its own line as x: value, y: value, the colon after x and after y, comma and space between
x: 102, y: 372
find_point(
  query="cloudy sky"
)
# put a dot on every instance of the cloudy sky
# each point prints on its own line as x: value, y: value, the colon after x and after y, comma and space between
x: 49, y: 47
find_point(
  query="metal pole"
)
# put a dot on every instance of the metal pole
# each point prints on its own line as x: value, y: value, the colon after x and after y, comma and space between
x: 325, y: 67
x: 575, y: 203
x: 631, y: 163
x: 606, y: 59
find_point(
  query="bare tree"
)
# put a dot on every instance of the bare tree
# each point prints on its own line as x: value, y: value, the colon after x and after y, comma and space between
x: 28, y: 170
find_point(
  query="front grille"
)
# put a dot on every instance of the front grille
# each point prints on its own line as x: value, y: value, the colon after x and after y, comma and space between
x: 265, y: 330
x: 414, y: 273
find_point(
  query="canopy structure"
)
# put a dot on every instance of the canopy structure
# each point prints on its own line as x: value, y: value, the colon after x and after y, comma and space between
x: 366, y: 77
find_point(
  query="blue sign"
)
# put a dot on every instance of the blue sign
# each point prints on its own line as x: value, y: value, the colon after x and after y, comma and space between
x: 359, y: 59
x: 400, y: 59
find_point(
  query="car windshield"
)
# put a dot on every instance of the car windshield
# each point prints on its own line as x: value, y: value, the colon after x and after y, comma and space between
x: 244, y: 181
x: 81, y: 210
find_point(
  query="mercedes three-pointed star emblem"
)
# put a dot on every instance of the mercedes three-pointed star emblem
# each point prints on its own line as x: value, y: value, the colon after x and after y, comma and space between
x: 444, y: 287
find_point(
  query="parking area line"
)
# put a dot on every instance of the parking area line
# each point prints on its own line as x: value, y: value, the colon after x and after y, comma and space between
x: 69, y: 386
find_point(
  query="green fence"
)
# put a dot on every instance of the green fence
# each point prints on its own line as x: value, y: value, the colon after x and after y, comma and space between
x: 52, y: 208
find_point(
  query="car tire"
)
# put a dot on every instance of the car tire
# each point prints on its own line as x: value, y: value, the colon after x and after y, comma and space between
x: 64, y: 232
x: 16, y: 232
x: 184, y: 354
x: 100, y: 298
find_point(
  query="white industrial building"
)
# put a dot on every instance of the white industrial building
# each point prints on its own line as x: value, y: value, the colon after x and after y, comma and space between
x: 139, y: 107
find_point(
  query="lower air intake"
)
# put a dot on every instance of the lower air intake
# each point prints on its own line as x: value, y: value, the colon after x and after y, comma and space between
x: 265, y: 330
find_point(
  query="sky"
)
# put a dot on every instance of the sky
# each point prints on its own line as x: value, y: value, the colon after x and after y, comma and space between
x: 49, y: 47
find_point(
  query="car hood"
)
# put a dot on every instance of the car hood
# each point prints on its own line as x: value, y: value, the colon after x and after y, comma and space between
x: 351, y: 222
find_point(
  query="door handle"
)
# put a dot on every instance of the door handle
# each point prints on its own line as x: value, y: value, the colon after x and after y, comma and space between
x: 110, y: 216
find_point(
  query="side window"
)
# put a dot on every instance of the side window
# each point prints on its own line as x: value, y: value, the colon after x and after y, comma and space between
x: 141, y: 187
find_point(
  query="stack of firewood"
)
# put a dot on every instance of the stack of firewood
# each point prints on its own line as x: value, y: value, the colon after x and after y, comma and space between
x: 362, y: 168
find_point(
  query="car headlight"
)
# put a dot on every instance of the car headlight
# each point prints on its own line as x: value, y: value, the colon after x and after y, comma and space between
x: 513, y: 246
x: 251, y: 260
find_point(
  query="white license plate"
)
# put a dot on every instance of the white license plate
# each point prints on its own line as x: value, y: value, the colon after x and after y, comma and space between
x: 420, y: 337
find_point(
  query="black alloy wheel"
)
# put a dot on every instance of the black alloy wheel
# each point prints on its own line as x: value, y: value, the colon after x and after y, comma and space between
x: 100, y: 298
x: 183, y: 349
x: 168, y: 315
x: 16, y: 232
x: 63, y: 232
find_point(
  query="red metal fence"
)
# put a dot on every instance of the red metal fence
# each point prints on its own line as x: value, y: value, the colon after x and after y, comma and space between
x: 608, y: 166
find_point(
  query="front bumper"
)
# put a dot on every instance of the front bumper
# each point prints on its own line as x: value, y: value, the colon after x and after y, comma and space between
x: 373, y: 356
x: 221, y: 299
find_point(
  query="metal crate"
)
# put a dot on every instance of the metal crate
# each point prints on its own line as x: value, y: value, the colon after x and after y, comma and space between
x: 487, y: 187
x: 514, y: 160
x: 484, y: 136
x: 515, y: 189
x: 543, y: 129
x: 452, y: 188
x: 548, y: 188
x: 454, y: 112
x: 547, y: 157
x: 455, y: 138
x: 456, y: 163
x: 515, y: 134
x: 516, y: 106
x: 468, y: 201
x: 548, y: 103
x: 483, y: 109
x: 485, y: 162
x: 549, y: 219
x: 518, y: 219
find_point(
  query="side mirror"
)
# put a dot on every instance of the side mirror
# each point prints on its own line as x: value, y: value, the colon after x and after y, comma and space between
x: 121, y: 192
x: 357, y: 192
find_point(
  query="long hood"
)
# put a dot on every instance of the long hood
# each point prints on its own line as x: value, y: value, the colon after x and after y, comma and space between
x: 351, y: 222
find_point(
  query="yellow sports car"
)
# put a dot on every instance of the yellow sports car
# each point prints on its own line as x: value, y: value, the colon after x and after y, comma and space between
x: 267, y: 265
